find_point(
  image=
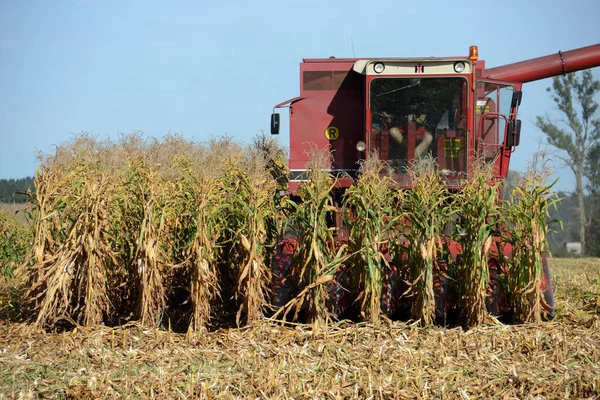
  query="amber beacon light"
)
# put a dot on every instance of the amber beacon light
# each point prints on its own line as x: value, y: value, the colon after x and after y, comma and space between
x: 473, y: 53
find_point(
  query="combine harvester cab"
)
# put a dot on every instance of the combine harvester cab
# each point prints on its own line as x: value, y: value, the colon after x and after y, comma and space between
x: 402, y: 108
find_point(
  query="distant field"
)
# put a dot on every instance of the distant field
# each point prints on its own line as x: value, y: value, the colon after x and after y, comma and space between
x: 557, y: 359
x: 15, y: 210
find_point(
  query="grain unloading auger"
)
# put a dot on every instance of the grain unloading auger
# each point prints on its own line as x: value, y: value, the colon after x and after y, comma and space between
x: 450, y: 108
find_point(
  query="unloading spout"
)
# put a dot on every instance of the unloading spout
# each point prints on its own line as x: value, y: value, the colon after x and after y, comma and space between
x: 548, y: 66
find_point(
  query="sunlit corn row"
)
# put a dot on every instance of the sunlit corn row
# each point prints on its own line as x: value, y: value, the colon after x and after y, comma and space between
x: 145, y: 230
x: 178, y: 234
x: 410, y: 232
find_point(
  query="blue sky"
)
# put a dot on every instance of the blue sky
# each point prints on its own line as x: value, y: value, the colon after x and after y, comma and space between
x: 212, y: 68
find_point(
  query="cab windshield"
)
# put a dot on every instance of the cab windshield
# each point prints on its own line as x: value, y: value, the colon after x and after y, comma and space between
x: 411, y: 118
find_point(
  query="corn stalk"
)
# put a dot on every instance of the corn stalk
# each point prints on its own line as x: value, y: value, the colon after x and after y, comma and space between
x: 252, y: 216
x: 317, y: 259
x: 73, y: 249
x: 479, y: 211
x: 427, y: 210
x: 373, y: 220
x: 148, y: 213
x: 527, y: 229
x: 197, y: 231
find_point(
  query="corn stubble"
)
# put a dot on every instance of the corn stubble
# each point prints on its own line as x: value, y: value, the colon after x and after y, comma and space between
x: 135, y: 229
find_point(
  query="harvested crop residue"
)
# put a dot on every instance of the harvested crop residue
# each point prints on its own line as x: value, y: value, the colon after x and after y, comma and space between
x: 558, y: 359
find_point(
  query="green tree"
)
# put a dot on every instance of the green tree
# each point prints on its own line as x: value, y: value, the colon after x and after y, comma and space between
x: 512, y: 179
x: 567, y: 230
x: 10, y: 190
x: 592, y: 172
x: 576, y: 134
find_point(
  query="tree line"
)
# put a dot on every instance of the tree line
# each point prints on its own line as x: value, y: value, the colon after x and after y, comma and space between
x: 12, y: 190
x: 576, y: 137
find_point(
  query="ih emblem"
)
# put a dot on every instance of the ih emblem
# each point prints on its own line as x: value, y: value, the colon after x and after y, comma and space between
x: 419, y: 69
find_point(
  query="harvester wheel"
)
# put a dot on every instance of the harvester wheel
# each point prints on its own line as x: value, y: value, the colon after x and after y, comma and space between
x: 496, y: 294
x: 283, y: 284
x: 441, y: 288
x: 390, y: 293
x: 339, y: 293
x: 548, y: 290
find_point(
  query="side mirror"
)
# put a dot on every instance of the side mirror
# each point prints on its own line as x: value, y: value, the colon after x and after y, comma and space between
x: 274, y: 124
x: 516, y: 99
x: 517, y: 132
x: 513, y: 136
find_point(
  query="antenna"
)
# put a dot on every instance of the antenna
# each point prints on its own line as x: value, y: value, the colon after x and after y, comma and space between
x: 352, y: 42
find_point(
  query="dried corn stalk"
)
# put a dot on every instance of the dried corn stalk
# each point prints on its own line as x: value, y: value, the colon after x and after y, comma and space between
x: 373, y: 222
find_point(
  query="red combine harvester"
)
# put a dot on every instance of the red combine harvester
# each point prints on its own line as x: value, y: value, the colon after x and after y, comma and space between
x: 403, y: 108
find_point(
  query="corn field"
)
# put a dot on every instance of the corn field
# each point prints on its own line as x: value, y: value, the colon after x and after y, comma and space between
x: 182, y: 235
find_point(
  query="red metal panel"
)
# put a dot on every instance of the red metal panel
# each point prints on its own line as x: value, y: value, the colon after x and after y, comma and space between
x: 309, y: 120
x: 341, y: 107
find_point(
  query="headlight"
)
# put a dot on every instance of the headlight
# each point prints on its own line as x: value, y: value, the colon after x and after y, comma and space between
x: 361, y: 146
x: 459, y: 66
x: 378, y: 67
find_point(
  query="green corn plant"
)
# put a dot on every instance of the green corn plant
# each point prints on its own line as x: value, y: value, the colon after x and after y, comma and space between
x: 427, y: 209
x: 15, y: 242
x: 373, y: 220
x: 478, y: 213
x: 526, y: 231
